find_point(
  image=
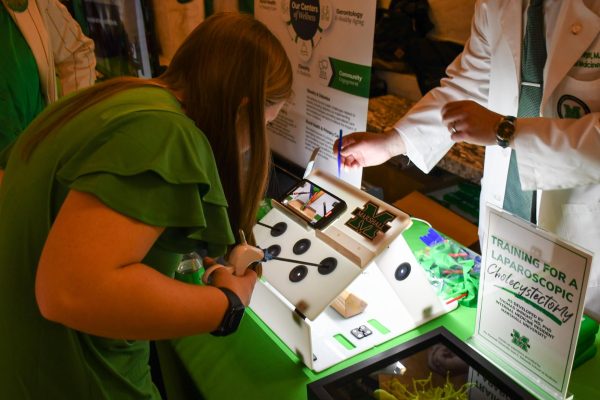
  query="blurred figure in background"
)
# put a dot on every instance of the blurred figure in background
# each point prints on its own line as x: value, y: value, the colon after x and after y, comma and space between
x: 39, y: 41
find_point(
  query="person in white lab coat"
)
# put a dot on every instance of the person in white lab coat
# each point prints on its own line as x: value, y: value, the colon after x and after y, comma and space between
x: 558, y: 153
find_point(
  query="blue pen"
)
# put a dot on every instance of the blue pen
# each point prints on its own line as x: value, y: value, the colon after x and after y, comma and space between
x: 340, y: 155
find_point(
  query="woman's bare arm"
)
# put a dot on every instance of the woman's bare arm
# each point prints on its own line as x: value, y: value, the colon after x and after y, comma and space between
x: 90, y: 278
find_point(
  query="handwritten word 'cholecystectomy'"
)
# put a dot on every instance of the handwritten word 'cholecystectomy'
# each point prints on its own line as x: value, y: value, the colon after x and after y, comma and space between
x: 533, y: 294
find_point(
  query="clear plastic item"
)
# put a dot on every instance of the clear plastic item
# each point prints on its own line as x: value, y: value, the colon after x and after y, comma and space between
x: 189, y: 269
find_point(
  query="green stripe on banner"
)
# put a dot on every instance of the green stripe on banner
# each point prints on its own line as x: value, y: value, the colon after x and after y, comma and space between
x: 350, y: 78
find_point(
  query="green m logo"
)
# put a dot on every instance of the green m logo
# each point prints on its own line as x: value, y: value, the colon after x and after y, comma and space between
x: 368, y: 221
x: 572, y: 112
x: 520, y: 341
x: 571, y: 107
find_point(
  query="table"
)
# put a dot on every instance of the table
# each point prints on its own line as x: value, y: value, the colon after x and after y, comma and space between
x: 255, y: 364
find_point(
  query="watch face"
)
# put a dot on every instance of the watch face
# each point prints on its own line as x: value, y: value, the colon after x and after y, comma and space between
x: 234, y: 317
x: 505, y: 130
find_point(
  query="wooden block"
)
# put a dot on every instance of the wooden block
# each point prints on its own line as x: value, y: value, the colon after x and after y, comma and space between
x: 348, y: 304
x: 441, y: 219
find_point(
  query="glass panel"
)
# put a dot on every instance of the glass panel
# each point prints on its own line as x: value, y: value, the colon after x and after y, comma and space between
x: 436, y: 372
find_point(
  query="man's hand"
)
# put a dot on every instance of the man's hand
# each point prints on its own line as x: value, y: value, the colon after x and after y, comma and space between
x: 365, y: 149
x: 469, y: 122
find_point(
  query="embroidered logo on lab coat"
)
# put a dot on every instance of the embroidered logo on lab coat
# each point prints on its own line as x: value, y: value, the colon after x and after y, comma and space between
x: 571, y: 107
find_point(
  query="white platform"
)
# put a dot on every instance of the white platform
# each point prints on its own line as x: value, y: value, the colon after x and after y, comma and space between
x: 299, y: 313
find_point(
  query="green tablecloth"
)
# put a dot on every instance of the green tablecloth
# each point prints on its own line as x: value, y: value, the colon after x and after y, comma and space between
x: 255, y: 364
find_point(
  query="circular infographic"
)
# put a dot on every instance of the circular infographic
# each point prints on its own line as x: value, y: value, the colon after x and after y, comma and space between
x: 306, y: 21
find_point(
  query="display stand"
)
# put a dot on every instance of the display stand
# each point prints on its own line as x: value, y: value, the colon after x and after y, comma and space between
x: 330, y: 47
x: 382, y: 272
x: 530, y: 305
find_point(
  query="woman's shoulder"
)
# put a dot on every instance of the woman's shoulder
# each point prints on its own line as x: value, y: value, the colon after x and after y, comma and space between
x: 145, y: 98
x: 147, y: 111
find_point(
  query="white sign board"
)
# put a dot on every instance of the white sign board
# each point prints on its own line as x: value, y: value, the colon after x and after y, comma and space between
x: 330, y: 46
x: 531, y: 297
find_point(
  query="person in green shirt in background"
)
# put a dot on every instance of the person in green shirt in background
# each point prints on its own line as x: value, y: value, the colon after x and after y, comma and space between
x: 38, y: 41
x: 106, y: 189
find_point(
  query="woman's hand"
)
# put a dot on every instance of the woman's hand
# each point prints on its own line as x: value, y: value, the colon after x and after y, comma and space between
x: 222, y: 276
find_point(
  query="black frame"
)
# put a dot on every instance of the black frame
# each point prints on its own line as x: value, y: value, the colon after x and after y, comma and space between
x: 283, y: 175
x: 340, y: 207
x: 318, y: 390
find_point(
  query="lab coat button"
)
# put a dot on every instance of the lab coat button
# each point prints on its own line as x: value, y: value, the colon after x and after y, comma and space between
x: 576, y: 28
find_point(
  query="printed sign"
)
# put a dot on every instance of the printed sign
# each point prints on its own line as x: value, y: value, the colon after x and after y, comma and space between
x: 531, y: 297
x: 330, y: 46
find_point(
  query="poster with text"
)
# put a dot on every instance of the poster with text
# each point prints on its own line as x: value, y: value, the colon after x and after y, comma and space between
x: 330, y: 46
x: 531, y: 296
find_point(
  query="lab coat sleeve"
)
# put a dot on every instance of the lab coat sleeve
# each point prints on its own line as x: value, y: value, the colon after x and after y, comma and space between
x: 555, y: 153
x: 427, y: 140
x: 73, y: 51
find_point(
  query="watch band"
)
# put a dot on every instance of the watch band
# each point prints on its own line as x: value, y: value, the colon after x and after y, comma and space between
x: 233, y: 315
x: 505, y: 131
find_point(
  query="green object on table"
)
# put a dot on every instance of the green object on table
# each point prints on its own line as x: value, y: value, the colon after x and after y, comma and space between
x: 452, y: 270
x: 586, y: 355
x: 263, y: 208
x: 464, y: 196
x: 189, y: 269
x: 586, y: 342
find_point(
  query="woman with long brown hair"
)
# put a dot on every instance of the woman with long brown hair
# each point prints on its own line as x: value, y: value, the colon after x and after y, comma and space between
x: 104, y: 192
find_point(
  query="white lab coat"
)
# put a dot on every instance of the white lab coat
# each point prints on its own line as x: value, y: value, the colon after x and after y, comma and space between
x: 58, y: 46
x: 560, y: 158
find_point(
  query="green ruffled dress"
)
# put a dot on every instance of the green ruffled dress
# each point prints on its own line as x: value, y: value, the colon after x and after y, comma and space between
x: 143, y: 157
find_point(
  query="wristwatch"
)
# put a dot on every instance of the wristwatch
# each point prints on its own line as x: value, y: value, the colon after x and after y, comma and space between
x: 505, y: 131
x: 233, y: 315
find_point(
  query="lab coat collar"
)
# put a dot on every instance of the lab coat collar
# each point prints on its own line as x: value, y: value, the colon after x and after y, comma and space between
x: 512, y: 29
x: 575, y: 30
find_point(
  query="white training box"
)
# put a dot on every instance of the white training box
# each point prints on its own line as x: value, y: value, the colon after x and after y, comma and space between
x: 383, y: 272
